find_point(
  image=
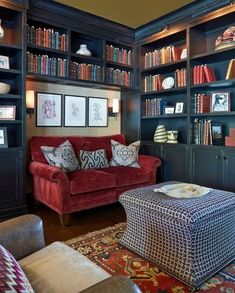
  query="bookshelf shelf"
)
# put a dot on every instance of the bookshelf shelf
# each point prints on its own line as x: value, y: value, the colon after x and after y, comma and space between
x: 213, y: 114
x: 120, y: 65
x: 45, y: 50
x: 172, y: 90
x: 82, y: 58
x: 215, y: 84
x: 166, y: 67
x: 168, y: 116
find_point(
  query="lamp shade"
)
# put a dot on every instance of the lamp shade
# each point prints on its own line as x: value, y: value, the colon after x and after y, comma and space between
x: 30, y: 99
x: 116, y: 106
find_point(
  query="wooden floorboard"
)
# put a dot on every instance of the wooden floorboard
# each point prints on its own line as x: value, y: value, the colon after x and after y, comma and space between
x: 81, y: 222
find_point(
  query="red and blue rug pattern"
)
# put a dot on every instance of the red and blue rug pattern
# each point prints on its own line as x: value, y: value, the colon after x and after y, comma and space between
x: 102, y: 248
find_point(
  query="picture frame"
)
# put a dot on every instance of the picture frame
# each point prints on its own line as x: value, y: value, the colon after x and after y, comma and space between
x: 179, y: 107
x: 7, y: 112
x: 74, y: 111
x: 220, y: 101
x: 217, y: 131
x: 97, y: 112
x: 4, y: 62
x: 48, y: 110
x: 3, y: 137
x: 168, y: 110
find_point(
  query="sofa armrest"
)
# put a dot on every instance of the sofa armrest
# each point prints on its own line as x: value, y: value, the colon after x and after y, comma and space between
x: 115, y: 284
x: 22, y: 235
x: 149, y: 162
x: 48, y: 172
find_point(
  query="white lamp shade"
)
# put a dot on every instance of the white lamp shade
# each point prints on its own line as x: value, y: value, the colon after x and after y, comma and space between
x: 30, y: 99
x: 116, y: 106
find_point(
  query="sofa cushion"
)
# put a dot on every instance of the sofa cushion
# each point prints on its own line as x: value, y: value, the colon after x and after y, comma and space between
x: 88, y: 180
x: 92, y: 160
x: 129, y: 176
x: 125, y: 155
x: 62, y: 156
x: 12, y: 277
x: 58, y: 268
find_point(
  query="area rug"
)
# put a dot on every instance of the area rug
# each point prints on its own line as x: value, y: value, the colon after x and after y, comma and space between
x: 102, y: 248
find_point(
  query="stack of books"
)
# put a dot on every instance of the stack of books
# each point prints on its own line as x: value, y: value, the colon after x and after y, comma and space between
x: 117, y: 76
x: 152, y: 83
x: 118, y: 55
x: 202, y: 74
x: 162, y: 56
x: 202, y: 132
x: 85, y: 71
x: 43, y: 64
x: 154, y: 106
x: 201, y: 103
x: 46, y: 38
x: 180, y: 77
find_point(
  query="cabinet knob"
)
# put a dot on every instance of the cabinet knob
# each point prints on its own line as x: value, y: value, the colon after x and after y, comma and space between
x: 225, y: 158
x: 217, y: 157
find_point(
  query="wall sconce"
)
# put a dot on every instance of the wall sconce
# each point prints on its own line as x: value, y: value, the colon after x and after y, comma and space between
x: 115, y: 109
x: 30, y: 102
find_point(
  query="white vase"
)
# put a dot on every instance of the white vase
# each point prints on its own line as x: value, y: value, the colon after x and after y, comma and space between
x: 172, y: 136
x: 160, y: 134
x: 83, y: 50
x: 1, y: 31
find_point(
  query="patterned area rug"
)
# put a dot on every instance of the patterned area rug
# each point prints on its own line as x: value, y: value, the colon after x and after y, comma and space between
x: 102, y: 247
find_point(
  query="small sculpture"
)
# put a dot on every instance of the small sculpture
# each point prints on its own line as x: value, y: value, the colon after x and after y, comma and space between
x: 1, y: 31
x: 227, y: 39
x: 172, y: 136
x: 160, y: 134
x: 83, y: 50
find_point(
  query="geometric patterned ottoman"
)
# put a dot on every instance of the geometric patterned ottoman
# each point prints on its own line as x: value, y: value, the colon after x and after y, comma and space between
x: 190, y: 239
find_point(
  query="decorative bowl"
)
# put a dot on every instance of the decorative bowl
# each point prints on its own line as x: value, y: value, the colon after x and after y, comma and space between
x: 4, y: 88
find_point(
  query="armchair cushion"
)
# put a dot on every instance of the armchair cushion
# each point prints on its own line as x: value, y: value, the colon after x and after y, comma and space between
x: 62, y: 156
x: 93, y: 159
x: 13, y: 278
x: 88, y: 180
x: 125, y: 155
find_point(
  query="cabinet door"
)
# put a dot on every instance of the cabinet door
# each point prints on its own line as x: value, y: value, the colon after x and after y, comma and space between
x: 228, y: 157
x: 175, y: 162
x: 12, y: 201
x: 206, y: 167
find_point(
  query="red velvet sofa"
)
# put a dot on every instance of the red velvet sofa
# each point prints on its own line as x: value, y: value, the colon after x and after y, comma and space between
x: 79, y: 190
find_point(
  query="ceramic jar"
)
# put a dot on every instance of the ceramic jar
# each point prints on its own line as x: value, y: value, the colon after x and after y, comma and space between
x: 160, y: 134
x: 83, y: 50
x: 172, y: 136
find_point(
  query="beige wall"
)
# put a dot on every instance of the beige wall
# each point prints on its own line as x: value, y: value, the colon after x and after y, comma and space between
x: 113, y: 124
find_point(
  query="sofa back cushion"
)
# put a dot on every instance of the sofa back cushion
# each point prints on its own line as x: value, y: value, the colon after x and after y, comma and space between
x: 12, y: 277
x: 78, y: 142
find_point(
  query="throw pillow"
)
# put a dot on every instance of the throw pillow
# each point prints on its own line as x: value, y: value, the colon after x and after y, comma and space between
x: 62, y: 156
x: 125, y: 155
x: 12, y: 278
x: 93, y: 160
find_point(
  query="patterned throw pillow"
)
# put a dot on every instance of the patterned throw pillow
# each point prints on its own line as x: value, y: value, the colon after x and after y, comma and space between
x: 125, y: 155
x: 93, y: 160
x: 12, y: 278
x: 62, y: 156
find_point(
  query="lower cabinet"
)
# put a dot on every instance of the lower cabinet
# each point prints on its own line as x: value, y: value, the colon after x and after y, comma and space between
x: 174, y: 160
x: 12, y: 199
x: 213, y: 167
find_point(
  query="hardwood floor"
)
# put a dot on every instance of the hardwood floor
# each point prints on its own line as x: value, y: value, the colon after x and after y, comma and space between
x: 81, y: 222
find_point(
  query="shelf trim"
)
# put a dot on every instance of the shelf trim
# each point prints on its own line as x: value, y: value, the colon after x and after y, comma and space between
x: 162, y: 66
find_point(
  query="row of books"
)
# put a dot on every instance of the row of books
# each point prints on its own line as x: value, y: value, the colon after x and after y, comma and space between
x: 180, y: 77
x: 162, y: 56
x: 154, y: 106
x: 43, y: 64
x: 85, y: 71
x: 201, y: 103
x: 118, y: 55
x: 46, y: 38
x: 202, y: 132
x: 202, y: 74
x: 117, y: 76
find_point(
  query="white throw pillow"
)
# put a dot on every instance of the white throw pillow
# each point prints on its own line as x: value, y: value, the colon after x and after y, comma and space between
x: 125, y: 155
x: 93, y: 159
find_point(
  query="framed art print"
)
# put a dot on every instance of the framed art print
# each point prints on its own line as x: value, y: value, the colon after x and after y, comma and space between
x: 168, y: 110
x: 3, y: 137
x: 220, y: 101
x: 48, y: 109
x: 7, y: 112
x: 4, y: 62
x: 98, y: 112
x: 74, y: 111
x: 179, y: 107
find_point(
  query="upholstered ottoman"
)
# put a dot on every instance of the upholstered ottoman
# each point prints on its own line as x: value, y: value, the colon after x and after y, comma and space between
x: 190, y: 239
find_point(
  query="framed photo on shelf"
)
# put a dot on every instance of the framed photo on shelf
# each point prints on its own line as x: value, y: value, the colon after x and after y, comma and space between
x: 7, y: 112
x: 48, y: 110
x: 217, y: 133
x: 74, y: 111
x: 168, y: 110
x: 98, y: 112
x: 220, y: 101
x: 179, y: 107
x: 4, y: 62
x: 3, y: 137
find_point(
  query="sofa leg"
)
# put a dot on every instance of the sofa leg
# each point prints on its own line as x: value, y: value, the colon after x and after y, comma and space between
x: 64, y: 220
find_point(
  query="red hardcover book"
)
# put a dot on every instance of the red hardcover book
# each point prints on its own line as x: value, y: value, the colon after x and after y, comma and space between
x: 201, y: 75
x: 175, y: 53
x: 209, y: 73
x: 197, y: 74
x: 204, y: 103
